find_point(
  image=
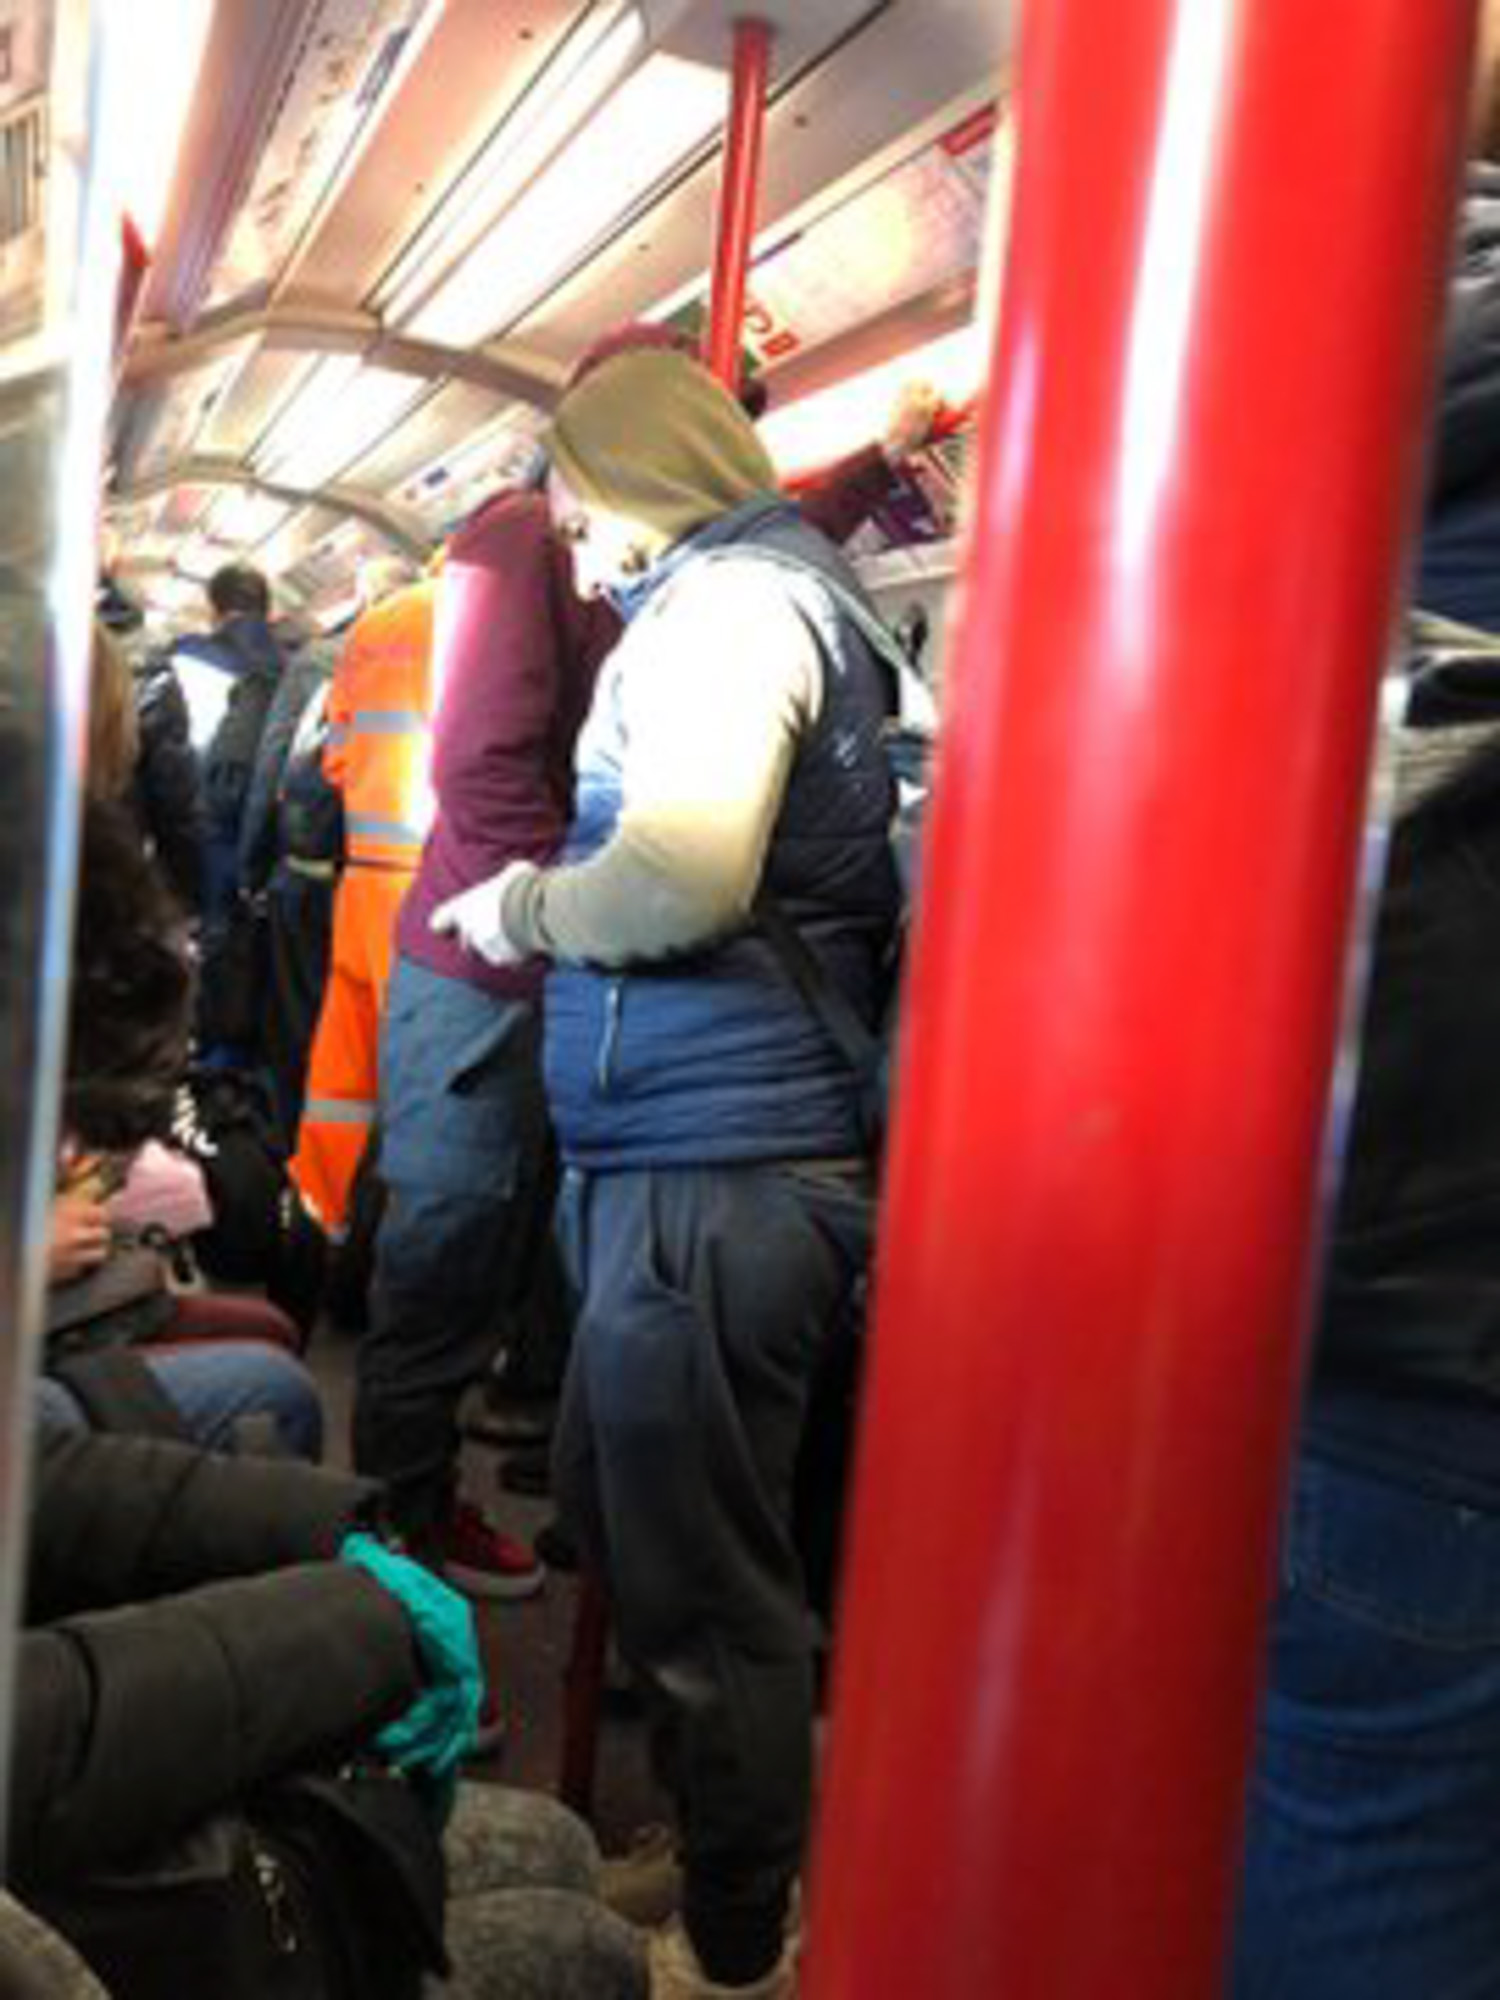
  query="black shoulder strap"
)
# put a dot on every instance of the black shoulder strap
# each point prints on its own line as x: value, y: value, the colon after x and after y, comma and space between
x: 823, y: 997
x: 118, y: 1392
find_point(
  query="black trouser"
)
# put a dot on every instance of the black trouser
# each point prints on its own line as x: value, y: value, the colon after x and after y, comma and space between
x: 300, y: 925
x: 709, y: 1297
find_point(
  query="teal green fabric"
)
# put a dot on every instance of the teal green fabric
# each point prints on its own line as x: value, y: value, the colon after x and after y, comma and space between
x: 441, y: 1728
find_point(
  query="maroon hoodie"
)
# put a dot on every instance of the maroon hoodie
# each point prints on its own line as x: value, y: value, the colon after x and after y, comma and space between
x: 516, y: 655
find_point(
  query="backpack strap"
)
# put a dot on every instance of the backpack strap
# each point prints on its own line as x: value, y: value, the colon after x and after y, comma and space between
x: 823, y: 996
x: 118, y: 1392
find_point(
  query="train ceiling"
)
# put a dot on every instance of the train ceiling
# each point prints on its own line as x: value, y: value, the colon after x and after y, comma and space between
x: 395, y: 225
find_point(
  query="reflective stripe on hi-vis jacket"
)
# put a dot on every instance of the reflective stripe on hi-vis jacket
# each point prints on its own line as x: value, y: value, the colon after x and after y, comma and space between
x: 343, y: 1072
x: 379, y: 736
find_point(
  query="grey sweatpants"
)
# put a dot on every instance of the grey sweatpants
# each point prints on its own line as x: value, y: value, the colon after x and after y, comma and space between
x: 709, y: 1299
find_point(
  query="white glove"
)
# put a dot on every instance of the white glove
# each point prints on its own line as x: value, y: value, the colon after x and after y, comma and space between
x: 477, y: 916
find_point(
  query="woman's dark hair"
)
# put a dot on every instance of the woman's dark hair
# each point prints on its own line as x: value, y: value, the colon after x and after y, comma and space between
x: 237, y: 591
x: 132, y: 992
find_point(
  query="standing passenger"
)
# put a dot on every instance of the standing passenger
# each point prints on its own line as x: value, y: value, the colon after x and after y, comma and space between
x: 464, y: 1139
x: 229, y: 679
x: 376, y: 759
x: 718, y: 1200
x: 289, y: 860
x: 1372, y: 1868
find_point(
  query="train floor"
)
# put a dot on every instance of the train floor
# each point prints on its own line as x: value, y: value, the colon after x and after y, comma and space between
x: 526, y: 1645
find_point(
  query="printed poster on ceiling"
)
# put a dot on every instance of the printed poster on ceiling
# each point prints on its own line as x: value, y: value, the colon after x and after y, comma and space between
x: 26, y: 36
x: 347, y: 62
x: 921, y: 226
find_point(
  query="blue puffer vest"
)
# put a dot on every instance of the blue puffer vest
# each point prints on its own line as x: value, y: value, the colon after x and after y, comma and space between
x: 714, y: 1058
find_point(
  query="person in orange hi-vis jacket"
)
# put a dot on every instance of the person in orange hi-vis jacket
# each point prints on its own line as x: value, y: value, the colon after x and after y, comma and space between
x: 379, y: 709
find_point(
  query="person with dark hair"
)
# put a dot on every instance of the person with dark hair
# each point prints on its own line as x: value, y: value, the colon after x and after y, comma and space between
x: 198, y: 1628
x: 229, y: 678
x: 238, y: 591
x: 130, y: 1010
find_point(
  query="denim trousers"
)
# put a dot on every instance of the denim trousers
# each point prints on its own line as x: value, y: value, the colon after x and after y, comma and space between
x: 466, y: 1162
x: 215, y: 1386
x: 1372, y: 1866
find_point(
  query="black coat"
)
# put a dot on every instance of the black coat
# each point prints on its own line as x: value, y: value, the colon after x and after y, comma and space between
x: 1413, y: 1279
x: 168, y: 790
x: 306, y: 673
x: 186, y: 1639
x: 246, y: 649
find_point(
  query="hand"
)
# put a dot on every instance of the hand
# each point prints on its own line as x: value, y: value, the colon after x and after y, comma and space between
x: 477, y: 917
x: 80, y: 1237
x: 911, y: 421
x: 441, y: 1727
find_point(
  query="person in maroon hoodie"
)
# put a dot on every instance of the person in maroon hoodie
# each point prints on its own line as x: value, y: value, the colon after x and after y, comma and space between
x: 465, y: 1149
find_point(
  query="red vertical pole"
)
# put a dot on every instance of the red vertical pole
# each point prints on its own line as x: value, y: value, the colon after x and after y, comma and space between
x: 737, y: 196
x: 135, y: 263
x: 1197, y: 477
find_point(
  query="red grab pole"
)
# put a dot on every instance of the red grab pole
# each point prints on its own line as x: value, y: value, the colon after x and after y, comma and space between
x: 135, y: 264
x: 1199, y: 468
x: 737, y: 196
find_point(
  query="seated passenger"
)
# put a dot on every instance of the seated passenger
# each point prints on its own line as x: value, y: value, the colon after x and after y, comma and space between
x: 170, y: 1590
x: 1372, y: 1869
x: 223, y: 1365
x: 717, y: 1207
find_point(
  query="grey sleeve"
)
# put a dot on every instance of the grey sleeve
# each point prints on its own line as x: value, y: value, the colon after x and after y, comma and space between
x: 723, y: 685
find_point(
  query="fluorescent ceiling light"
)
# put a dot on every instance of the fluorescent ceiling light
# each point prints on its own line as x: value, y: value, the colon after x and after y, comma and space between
x: 151, y: 77
x: 243, y: 517
x: 175, y: 594
x: 197, y: 558
x: 340, y: 411
x: 594, y: 59
x: 285, y: 547
x: 826, y: 426
x: 653, y: 122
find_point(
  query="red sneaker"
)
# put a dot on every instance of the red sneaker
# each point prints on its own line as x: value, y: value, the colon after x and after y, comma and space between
x: 482, y: 1562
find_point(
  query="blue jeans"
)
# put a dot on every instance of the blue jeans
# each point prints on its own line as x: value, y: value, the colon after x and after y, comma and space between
x: 1372, y: 1869
x: 465, y: 1158
x: 214, y: 1388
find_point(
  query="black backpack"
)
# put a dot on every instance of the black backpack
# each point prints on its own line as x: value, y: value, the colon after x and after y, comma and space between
x: 261, y: 1233
x: 321, y: 1888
